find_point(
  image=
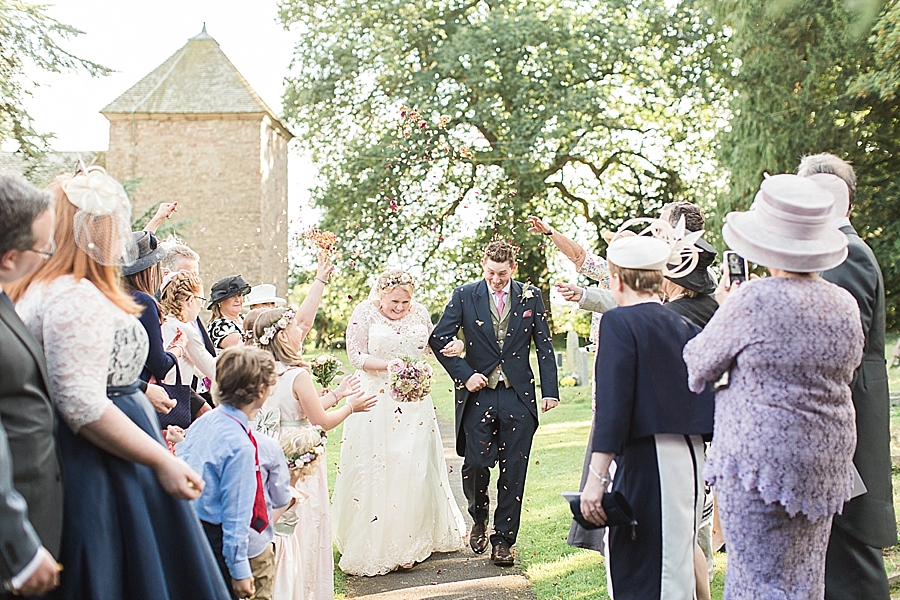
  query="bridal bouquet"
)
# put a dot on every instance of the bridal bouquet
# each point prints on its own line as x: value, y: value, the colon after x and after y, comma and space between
x: 325, y: 368
x: 410, y: 379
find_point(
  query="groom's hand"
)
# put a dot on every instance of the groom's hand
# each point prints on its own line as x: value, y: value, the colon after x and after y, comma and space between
x: 476, y: 382
x: 548, y: 403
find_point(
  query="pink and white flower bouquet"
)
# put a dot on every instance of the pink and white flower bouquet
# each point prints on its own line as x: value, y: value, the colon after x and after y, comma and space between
x: 410, y: 379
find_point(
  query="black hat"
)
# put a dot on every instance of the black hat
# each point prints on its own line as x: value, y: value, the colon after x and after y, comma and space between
x: 149, y: 252
x: 227, y: 287
x: 699, y: 280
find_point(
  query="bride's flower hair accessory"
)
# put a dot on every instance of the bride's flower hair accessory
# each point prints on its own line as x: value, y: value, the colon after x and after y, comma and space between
x: 391, y: 279
x: 281, y: 324
x: 102, y: 224
x: 658, y: 246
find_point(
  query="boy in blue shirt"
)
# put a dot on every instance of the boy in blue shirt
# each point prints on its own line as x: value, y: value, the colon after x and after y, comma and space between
x: 277, y: 487
x: 222, y: 448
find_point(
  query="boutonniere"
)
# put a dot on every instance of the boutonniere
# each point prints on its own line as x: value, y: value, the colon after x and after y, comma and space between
x: 527, y: 293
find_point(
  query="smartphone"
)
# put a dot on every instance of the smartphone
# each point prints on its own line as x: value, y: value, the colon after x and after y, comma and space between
x: 735, y: 266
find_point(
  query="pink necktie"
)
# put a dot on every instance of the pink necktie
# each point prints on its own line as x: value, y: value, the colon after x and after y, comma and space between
x: 500, y: 303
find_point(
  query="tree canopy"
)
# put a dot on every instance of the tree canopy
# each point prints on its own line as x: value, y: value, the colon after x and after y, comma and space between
x: 440, y: 125
x: 30, y: 38
x: 814, y: 76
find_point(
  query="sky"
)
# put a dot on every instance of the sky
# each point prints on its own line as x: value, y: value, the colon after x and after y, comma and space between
x: 133, y: 37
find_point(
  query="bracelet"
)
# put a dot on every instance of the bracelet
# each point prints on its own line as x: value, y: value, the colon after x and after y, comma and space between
x: 322, y: 280
x: 351, y: 408
x: 551, y: 232
x: 604, y: 481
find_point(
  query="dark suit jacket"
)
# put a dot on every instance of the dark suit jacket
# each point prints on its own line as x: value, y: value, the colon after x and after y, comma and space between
x: 29, y: 420
x: 642, y: 379
x: 869, y: 517
x: 470, y: 310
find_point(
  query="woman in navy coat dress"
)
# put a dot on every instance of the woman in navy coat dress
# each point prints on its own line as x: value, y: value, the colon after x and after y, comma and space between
x: 651, y: 425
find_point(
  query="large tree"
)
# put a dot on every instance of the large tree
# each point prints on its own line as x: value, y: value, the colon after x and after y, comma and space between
x: 30, y: 38
x: 439, y: 125
x: 813, y: 76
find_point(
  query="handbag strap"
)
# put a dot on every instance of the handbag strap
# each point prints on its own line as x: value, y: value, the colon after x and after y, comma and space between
x: 177, y: 373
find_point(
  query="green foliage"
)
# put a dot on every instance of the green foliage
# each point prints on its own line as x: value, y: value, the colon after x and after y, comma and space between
x: 584, y: 112
x: 804, y: 80
x: 31, y: 38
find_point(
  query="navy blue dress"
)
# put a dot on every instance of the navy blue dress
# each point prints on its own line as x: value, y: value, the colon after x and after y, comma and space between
x: 648, y: 418
x: 124, y: 537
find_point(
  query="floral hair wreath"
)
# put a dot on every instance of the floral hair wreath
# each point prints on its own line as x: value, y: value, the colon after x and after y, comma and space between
x: 281, y: 324
x: 392, y: 281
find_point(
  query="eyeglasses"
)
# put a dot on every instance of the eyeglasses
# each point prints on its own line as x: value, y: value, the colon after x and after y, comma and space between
x: 45, y: 254
x: 202, y: 299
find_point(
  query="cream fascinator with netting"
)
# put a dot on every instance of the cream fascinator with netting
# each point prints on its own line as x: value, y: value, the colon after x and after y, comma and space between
x: 658, y: 247
x: 103, y: 222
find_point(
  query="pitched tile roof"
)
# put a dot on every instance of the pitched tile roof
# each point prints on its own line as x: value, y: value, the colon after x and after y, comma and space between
x: 197, y: 79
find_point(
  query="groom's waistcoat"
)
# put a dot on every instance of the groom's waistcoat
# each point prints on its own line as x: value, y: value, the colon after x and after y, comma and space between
x: 501, y: 325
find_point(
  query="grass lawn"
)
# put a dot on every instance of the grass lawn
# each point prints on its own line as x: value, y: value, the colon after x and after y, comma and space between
x: 555, y: 570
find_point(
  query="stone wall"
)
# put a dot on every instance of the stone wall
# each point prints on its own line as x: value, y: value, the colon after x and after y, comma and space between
x: 229, y: 176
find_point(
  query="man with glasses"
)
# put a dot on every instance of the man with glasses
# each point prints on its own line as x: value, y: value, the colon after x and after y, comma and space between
x: 30, y: 475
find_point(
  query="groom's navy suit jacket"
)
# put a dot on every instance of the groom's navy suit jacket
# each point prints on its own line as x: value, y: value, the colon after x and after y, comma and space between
x: 469, y: 308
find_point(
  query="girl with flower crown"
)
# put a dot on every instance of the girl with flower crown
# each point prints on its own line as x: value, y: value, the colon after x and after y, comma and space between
x: 304, y: 563
x: 393, y: 506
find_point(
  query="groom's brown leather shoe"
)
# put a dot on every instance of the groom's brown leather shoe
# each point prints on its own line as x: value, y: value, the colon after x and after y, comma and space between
x: 478, y: 538
x: 502, y: 555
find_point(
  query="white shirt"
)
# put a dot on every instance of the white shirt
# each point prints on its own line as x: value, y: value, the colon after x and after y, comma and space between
x: 505, y: 296
x: 195, y: 358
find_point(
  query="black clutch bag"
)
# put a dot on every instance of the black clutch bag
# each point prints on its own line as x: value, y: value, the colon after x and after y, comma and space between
x: 618, y: 511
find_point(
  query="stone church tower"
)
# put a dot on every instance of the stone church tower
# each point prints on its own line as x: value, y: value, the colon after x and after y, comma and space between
x: 195, y: 132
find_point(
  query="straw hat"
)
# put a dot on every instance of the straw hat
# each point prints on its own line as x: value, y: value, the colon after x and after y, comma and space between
x: 788, y: 227
x: 263, y: 293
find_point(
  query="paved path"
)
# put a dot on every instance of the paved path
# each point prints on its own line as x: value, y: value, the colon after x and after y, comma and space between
x: 447, y: 576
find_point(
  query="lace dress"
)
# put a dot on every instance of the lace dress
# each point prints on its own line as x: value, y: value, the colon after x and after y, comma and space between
x: 392, y: 502
x: 123, y: 535
x: 304, y: 559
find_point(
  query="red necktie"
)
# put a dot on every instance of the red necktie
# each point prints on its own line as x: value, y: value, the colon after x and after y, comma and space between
x: 260, y: 519
x: 500, y: 303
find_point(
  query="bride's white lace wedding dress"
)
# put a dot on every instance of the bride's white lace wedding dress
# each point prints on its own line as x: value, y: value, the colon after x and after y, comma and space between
x: 392, y: 502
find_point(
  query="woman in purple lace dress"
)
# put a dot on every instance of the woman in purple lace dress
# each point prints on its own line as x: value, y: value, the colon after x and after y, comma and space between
x: 784, y: 424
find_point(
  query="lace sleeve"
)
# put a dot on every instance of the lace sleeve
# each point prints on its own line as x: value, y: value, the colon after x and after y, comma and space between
x: 79, y: 333
x: 358, y: 334
x: 595, y: 267
x: 423, y: 317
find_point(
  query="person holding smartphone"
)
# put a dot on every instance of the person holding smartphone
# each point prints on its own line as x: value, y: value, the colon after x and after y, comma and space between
x: 785, y: 425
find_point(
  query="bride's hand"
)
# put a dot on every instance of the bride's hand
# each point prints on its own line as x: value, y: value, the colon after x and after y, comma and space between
x: 349, y: 385
x: 361, y: 402
x: 453, y: 349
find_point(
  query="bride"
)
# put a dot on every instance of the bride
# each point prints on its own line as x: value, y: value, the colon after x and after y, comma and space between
x: 392, y: 503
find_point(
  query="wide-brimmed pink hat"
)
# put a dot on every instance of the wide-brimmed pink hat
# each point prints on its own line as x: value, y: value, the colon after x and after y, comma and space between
x: 788, y: 227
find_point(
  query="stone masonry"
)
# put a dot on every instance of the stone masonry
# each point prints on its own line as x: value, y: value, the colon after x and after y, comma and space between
x: 193, y: 131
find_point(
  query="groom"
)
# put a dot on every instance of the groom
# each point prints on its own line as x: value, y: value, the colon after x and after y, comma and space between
x: 496, y: 403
